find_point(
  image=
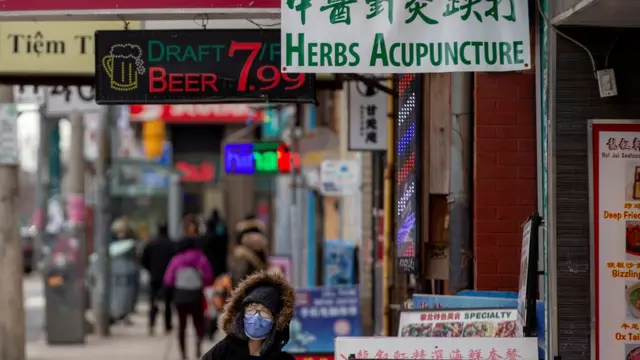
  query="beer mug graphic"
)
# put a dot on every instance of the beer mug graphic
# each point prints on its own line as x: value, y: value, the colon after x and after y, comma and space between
x: 123, y: 65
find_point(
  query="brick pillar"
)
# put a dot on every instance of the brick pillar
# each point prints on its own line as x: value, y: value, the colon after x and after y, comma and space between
x: 505, y: 188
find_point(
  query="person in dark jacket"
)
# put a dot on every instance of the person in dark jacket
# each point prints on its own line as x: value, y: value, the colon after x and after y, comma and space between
x: 214, y: 243
x: 186, y: 276
x: 256, y: 320
x: 155, y: 258
x: 251, y: 253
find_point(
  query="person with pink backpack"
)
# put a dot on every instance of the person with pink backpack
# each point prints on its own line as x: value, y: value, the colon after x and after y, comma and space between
x: 188, y: 273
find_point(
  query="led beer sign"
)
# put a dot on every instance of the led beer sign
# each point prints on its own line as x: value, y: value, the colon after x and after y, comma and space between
x: 195, y: 66
x: 259, y: 158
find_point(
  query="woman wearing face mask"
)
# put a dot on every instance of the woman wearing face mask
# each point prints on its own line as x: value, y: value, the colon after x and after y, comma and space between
x: 256, y: 320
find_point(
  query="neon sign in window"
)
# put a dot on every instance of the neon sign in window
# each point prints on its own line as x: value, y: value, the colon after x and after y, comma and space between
x: 259, y: 158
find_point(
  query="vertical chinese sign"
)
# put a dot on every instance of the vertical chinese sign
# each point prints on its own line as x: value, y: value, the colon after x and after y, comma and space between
x: 409, y: 87
x: 614, y: 168
x: 404, y: 36
x: 367, y: 118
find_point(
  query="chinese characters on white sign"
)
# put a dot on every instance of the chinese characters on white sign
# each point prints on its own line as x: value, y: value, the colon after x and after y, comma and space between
x: 404, y: 36
x: 367, y: 118
x: 443, y: 348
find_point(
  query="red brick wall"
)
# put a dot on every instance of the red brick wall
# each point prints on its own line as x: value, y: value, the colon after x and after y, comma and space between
x: 505, y: 188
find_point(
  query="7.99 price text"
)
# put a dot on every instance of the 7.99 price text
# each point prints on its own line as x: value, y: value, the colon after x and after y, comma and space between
x: 269, y: 76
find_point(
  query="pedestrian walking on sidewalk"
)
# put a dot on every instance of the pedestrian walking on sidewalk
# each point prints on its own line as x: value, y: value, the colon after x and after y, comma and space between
x: 155, y: 258
x: 187, y: 275
x: 251, y: 252
x: 256, y: 320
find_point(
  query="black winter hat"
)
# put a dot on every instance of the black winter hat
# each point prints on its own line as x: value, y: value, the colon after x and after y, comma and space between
x: 269, y: 296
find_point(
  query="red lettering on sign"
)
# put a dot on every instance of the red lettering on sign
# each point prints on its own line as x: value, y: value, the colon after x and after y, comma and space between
x: 157, y: 75
x: 204, y: 172
x: 179, y: 82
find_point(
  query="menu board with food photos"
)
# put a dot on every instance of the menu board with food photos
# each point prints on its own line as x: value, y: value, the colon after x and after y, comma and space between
x: 614, y: 169
x: 458, y: 323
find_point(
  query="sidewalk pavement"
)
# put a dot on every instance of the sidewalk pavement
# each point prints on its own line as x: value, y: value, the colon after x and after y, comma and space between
x: 126, y: 343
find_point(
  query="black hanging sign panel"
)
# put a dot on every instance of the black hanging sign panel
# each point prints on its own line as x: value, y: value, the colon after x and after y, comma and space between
x: 195, y: 66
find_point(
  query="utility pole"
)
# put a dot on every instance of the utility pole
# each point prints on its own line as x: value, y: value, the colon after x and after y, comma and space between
x: 76, y: 205
x: 102, y: 299
x: 12, y: 326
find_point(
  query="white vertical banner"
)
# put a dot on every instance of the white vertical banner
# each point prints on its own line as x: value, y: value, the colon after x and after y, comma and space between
x: 367, y: 117
x: 9, y: 150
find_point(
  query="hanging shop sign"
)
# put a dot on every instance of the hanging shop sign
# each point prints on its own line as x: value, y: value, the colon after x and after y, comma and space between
x: 458, y: 323
x: 63, y: 100
x: 614, y: 169
x: 259, y: 158
x: 51, y: 48
x: 58, y: 100
x: 405, y: 36
x: 195, y: 66
x: 367, y: 118
x: 132, y: 9
x: 436, y: 348
x: 195, y: 114
x: 322, y: 314
x: 339, y: 178
x: 407, y: 140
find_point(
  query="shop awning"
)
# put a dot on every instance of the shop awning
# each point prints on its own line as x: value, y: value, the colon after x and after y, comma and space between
x: 610, y: 13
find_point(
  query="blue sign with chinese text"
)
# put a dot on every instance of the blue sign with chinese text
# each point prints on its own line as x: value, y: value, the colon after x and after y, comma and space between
x: 322, y: 314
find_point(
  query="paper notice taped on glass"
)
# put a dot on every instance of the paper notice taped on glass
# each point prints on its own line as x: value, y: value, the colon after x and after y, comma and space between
x: 8, y: 135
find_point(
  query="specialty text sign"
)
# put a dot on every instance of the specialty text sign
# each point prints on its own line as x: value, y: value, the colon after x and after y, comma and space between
x: 195, y: 66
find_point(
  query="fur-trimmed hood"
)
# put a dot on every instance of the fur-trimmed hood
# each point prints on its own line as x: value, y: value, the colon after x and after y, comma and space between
x: 234, y: 306
x: 252, y: 225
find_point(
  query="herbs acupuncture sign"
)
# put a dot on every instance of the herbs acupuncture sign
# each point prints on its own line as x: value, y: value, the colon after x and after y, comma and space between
x: 404, y: 36
x: 195, y: 66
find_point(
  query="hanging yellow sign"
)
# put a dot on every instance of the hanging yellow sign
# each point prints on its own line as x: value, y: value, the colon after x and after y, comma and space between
x: 51, y: 48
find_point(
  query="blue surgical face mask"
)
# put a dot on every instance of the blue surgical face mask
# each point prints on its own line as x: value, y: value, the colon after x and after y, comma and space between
x: 257, y: 328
